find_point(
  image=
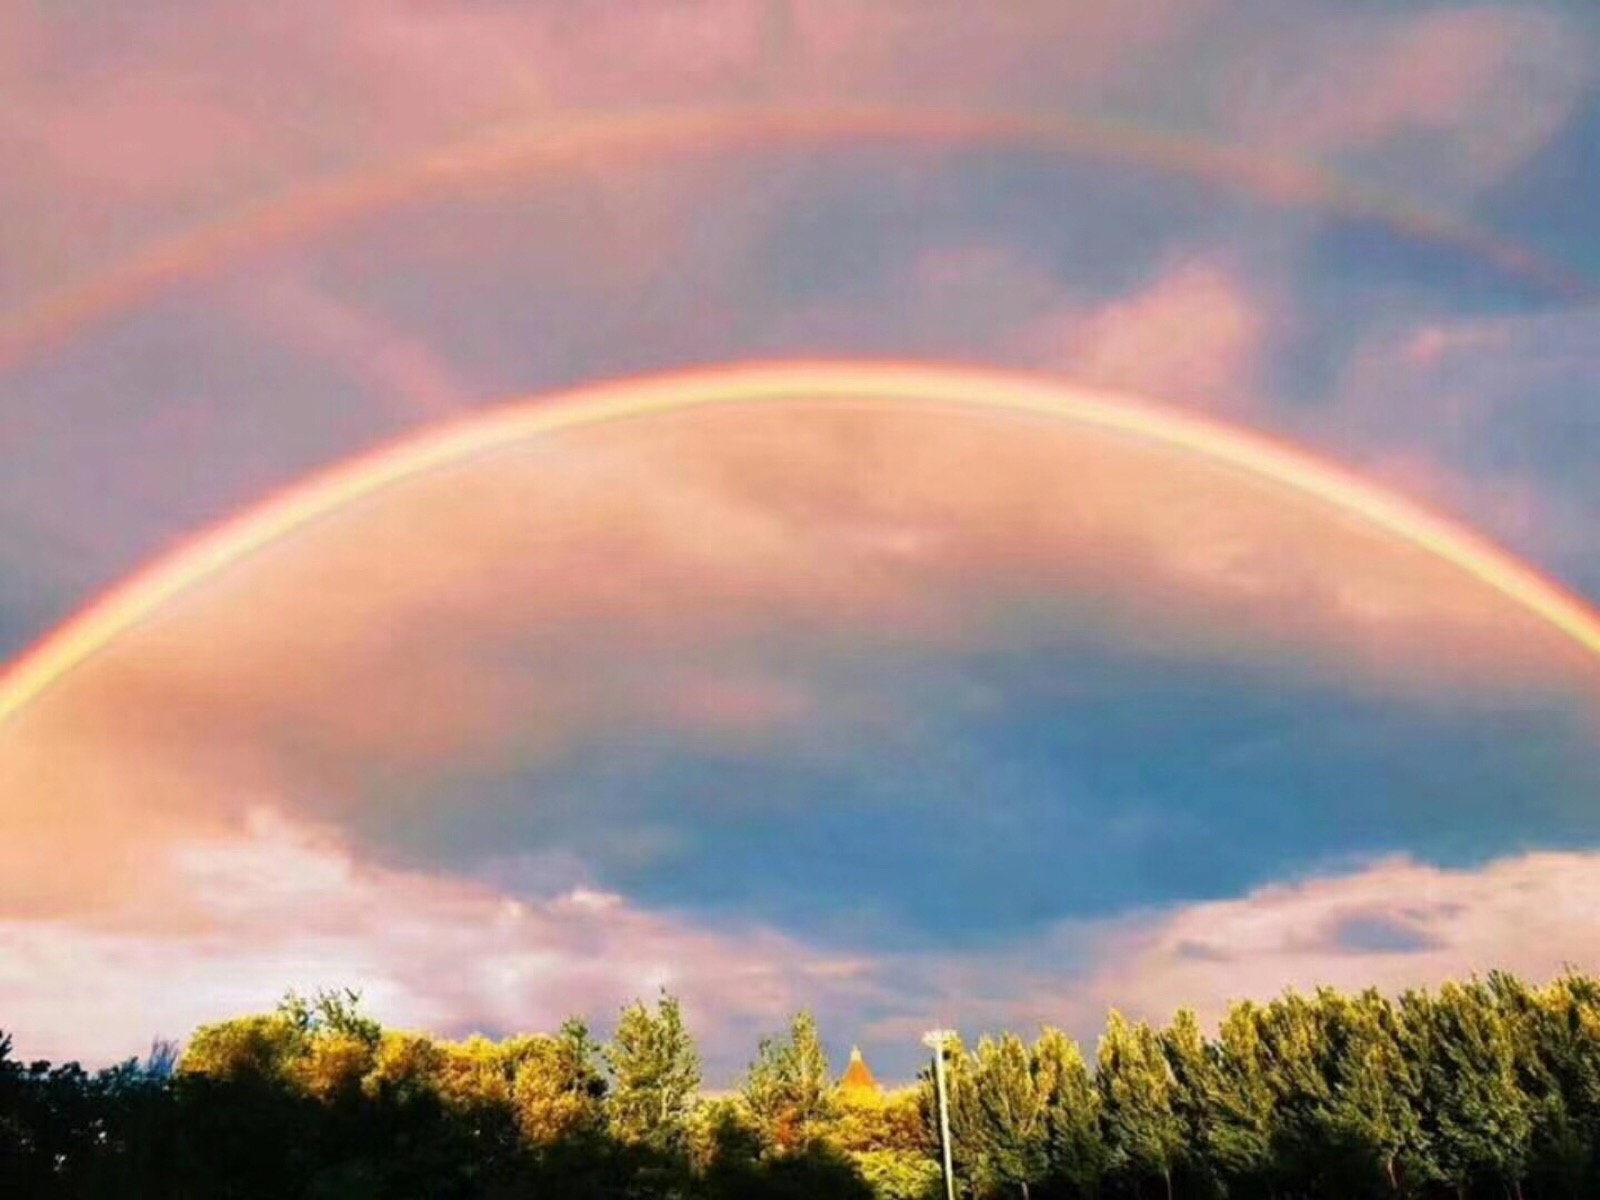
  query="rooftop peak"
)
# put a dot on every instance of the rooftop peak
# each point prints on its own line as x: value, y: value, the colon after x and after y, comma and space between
x: 858, y: 1082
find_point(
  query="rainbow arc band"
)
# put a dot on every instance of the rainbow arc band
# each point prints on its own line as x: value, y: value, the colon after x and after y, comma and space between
x: 564, y: 140
x: 210, y: 553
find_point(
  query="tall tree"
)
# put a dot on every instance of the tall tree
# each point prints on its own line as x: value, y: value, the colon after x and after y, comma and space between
x: 1373, y: 1125
x: 655, y: 1071
x: 1195, y: 1098
x: 1242, y: 1138
x: 1557, y: 1031
x: 1479, y: 1119
x: 1012, y: 1132
x: 789, y: 1088
x: 1074, y: 1150
x: 1144, y: 1133
x: 341, y: 1042
x: 1294, y: 1048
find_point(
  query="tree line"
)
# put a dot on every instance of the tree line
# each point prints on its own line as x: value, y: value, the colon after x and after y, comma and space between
x: 1485, y: 1089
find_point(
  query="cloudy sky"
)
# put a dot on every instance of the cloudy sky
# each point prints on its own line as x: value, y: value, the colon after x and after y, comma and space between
x: 906, y: 712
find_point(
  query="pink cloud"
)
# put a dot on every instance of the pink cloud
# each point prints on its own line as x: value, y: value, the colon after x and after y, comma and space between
x: 1194, y: 335
x: 236, y: 918
x: 1430, y: 345
x: 1393, y: 925
x: 1199, y: 333
x: 1514, y: 508
x: 1530, y: 914
x: 1196, y: 332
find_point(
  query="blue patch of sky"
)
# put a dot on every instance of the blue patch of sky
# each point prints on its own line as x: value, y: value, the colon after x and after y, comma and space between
x: 851, y: 233
x: 837, y: 227
x: 1376, y: 934
x: 19, y: 627
x: 41, y: 580
x: 488, y: 280
x: 1549, y: 428
x: 1097, y: 784
x: 1357, y: 280
x: 1361, y: 261
x: 1549, y: 200
x: 222, y: 433
x: 1191, y: 951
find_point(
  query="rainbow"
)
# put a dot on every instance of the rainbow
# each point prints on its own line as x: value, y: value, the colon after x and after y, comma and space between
x: 305, y: 209
x: 212, y: 552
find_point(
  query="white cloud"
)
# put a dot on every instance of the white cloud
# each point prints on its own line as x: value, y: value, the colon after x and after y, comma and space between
x: 242, y: 916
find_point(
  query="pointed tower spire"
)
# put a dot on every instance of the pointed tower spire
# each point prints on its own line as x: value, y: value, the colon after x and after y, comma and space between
x: 858, y: 1084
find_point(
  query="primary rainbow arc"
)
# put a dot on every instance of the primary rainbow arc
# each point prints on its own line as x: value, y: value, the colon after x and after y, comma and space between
x: 212, y: 552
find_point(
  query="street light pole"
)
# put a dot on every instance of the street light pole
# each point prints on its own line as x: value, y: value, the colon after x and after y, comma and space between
x: 935, y: 1040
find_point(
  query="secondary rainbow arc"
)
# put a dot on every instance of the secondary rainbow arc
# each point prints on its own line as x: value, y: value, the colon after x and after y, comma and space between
x: 500, y: 152
x: 213, y: 551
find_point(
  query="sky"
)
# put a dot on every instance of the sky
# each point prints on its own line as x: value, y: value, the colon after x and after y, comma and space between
x: 907, y: 711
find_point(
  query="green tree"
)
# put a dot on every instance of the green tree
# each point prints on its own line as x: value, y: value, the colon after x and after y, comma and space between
x: 1372, y: 1126
x: 266, y: 1047
x: 655, y: 1071
x: 406, y: 1066
x: 1012, y: 1132
x: 896, y: 1175
x: 723, y: 1140
x: 1481, y: 1089
x: 331, y: 1010
x: 339, y: 1042
x: 1074, y: 1150
x: 1197, y: 1084
x: 557, y: 1088
x: 789, y: 1088
x: 1144, y: 1133
x: 1556, y: 1030
x: 893, y: 1124
x: 1479, y: 1119
x: 1294, y: 1050
x: 1242, y: 1137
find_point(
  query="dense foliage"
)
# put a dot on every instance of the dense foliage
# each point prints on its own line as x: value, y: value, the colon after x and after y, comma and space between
x: 1485, y: 1089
